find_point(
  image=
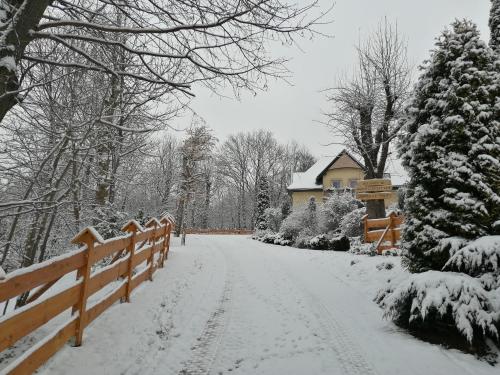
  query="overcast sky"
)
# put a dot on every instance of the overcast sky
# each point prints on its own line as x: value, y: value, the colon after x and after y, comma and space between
x: 292, y: 112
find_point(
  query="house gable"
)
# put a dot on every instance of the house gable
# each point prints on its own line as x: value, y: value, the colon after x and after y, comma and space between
x: 345, y: 161
x: 342, y: 160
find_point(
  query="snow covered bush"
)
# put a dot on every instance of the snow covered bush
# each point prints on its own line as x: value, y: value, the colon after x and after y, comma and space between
x: 304, y: 238
x: 299, y: 219
x: 273, y: 217
x: 319, y: 242
x: 351, y: 224
x: 359, y: 248
x: 335, y: 208
x: 477, y: 257
x: 445, y: 301
x: 385, y: 266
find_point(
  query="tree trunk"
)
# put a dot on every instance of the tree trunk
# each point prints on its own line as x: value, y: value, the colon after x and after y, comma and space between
x: 18, y: 19
x: 375, y: 209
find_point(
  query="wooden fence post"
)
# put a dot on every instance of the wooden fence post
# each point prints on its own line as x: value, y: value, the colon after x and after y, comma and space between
x: 152, y: 223
x: 392, y: 216
x: 365, y: 228
x: 166, y: 240
x: 131, y: 227
x: 89, y: 237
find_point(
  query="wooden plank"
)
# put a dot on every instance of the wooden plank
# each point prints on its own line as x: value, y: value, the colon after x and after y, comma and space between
x: 105, y: 303
x: 377, y: 223
x: 103, y: 250
x: 139, y: 278
x: 374, y: 196
x: 34, y: 296
x: 374, y: 181
x: 375, y: 235
x: 104, y: 277
x: 42, y: 351
x: 398, y: 220
x: 28, y: 278
x: 141, y: 256
x: 147, y: 234
x: 374, y: 188
x: 30, y: 317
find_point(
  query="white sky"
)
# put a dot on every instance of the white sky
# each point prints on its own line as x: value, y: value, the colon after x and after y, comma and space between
x: 292, y: 112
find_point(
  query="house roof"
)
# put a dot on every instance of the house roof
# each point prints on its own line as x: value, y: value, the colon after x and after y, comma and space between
x: 353, y: 163
x: 311, y: 179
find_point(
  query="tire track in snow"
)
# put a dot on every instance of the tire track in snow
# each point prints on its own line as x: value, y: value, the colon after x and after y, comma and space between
x: 205, y: 351
x: 348, y: 353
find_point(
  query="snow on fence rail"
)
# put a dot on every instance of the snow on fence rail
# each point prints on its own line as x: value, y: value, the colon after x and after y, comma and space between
x: 387, y: 229
x: 217, y: 231
x: 149, y: 245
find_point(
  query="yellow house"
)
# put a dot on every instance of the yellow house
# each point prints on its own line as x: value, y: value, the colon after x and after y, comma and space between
x: 327, y: 175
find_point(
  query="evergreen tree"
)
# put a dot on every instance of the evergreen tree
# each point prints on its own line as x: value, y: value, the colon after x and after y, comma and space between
x: 450, y: 149
x: 495, y: 25
x: 263, y: 203
x: 312, y: 215
x: 286, y: 208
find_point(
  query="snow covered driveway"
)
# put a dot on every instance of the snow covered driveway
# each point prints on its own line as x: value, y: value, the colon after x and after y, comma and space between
x: 228, y: 304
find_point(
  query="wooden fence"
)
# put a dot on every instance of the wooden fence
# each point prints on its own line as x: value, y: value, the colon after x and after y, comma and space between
x: 383, y: 230
x: 147, y: 248
x: 218, y: 231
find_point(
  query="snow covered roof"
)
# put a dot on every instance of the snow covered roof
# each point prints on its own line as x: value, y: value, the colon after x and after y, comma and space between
x: 309, y: 179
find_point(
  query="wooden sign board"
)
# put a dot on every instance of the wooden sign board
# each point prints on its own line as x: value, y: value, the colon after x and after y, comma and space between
x: 374, y: 189
x: 375, y: 181
x: 374, y: 196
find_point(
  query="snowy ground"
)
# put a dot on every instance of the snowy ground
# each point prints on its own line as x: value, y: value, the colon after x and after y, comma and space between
x: 228, y: 304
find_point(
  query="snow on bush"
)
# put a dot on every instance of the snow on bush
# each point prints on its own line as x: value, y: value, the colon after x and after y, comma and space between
x: 351, y: 224
x: 335, y: 208
x: 273, y: 217
x: 300, y: 218
x: 385, y: 266
x: 436, y: 298
x: 477, y: 257
x: 360, y: 248
x: 304, y: 238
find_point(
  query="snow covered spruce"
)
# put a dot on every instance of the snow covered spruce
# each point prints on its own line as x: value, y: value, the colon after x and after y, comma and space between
x: 451, y: 239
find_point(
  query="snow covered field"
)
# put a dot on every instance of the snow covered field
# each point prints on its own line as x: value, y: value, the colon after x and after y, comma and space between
x: 228, y: 304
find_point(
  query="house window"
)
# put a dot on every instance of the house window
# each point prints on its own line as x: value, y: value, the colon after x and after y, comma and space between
x: 336, y: 184
x: 353, y: 184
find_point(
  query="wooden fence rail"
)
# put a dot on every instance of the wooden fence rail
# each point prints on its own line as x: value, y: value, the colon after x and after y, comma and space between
x: 217, y: 231
x: 150, y: 245
x: 382, y: 230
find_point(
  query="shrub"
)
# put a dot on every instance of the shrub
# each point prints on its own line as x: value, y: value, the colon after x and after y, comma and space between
x: 273, y: 217
x: 336, y: 207
x: 304, y: 238
x: 351, y: 224
x: 435, y: 299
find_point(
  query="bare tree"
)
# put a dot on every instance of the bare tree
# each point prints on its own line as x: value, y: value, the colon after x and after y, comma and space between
x: 171, y: 43
x: 366, y: 106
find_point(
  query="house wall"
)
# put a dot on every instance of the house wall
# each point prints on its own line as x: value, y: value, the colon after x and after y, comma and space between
x: 343, y: 174
x: 300, y: 198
